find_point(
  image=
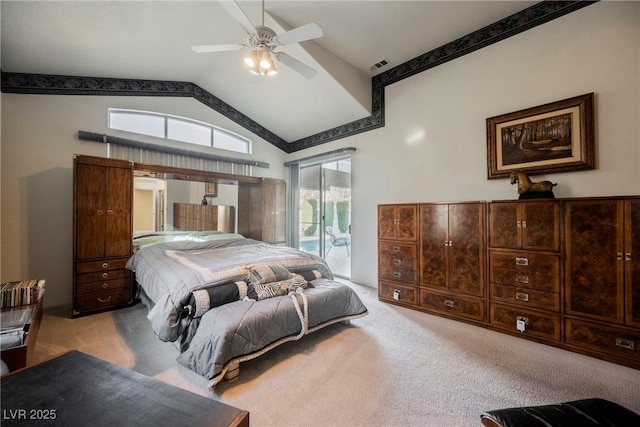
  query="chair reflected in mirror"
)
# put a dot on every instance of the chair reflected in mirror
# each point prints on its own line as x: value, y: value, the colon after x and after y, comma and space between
x: 341, y: 239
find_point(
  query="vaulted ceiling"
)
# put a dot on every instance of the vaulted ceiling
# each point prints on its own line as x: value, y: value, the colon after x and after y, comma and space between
x: 143, y: 47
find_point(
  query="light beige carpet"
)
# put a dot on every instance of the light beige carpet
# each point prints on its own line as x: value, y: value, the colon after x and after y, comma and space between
x: 394, y: 367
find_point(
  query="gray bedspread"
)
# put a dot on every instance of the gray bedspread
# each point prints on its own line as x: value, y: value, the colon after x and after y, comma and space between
x: 169, y: 272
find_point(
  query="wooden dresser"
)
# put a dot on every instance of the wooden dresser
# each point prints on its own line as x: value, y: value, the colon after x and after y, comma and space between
x: 558, y: 271
x: 103, y: 230
x: 398, y: 253
x: 197, y: 217
x: 524, y: 268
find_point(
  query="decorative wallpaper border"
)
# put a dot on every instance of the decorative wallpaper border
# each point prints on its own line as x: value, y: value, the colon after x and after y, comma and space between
x: 531, y: 17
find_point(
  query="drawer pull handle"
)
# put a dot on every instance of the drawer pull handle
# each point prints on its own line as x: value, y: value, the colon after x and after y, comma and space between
x: 522, y: 261
x: 100, y: 212
x: 396, y: 249
x: 624, y: 343
x: 105, y: 275
x: 521, y: 296
x: 396, y: 294
x: 627, y: 256
x: 110, y: 212
x: 449, y: 303
x: 103, y: 300
x: 105, y: 265
x: 519, y: 224
x: 397, y: 274
x: 397, y: 262
x: 619, y: 256
x: 521, y: 278
x: 105, y: 285
x: 521, y: 323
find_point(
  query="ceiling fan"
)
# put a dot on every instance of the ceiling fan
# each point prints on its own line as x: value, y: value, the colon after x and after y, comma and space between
x: 263, y: 42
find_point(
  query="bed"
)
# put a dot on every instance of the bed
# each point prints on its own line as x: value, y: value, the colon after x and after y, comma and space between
x: 225, y: 299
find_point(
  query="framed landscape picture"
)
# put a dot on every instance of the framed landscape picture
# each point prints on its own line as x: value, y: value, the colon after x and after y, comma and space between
x: 550, y: 138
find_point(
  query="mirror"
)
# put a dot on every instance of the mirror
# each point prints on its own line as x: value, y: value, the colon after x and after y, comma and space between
x: 178, y: 205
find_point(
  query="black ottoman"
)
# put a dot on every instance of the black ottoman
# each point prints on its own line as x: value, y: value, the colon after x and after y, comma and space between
x: 580, y: 413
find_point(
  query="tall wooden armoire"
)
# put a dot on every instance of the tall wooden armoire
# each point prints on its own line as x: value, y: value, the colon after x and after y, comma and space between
x: 103, y: 231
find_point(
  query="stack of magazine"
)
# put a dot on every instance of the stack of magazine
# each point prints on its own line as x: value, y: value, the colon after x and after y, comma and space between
x: 23, y: 292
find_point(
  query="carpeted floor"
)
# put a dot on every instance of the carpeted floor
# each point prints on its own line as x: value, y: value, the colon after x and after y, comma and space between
x: 394, y: 367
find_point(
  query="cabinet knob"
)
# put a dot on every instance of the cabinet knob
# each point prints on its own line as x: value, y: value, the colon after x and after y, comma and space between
x: 397, y: 262
x: 619, y: 256
x: 397, y: 274
x: 110, y: 212
x: 396, y: 249
x: 105, y: 265
x: 105, y: 285
x: 627, y: 256
x: 100, y: 212
x: 105, y: 275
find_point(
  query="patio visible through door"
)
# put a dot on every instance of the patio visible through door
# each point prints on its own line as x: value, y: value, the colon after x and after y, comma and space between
x: 325, y: 213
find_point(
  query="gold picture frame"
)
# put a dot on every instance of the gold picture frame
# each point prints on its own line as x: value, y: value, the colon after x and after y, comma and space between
x: 550, y: 138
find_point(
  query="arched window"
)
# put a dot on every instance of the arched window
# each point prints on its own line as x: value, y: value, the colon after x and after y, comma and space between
x: 178, y: 129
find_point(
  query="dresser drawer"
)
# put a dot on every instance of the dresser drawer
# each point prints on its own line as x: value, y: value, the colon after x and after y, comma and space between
x: 525, y: 279
x: 540, y: 325
x: 525, y: 297
x: 101, y: 265
x: 398, y: 262
x: 102, y: 286
x: 98, y: 276
x: 525, y: 262
x: 595, y: 337
x: 406, y: 294
x: 103, y: 300
x: 454, y: 305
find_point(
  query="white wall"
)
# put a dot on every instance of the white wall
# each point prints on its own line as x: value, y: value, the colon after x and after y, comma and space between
x: 433, y: 147
x: 39, y: 139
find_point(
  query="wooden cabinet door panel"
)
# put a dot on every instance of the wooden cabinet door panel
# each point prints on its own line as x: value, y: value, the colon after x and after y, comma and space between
x: 386, y: 222
x: 407, y: 222
x: 433, y: 252
x: 632, y: 261
x: 466, y: 248
x: 541, y: 229
x: 594, y: 286
x: 90, y: 211
x: 119, y: 184
x: 503, y: 229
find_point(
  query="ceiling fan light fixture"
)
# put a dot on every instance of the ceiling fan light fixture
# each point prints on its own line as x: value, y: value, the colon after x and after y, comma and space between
x: 265, y: 60
x: 251, y: 59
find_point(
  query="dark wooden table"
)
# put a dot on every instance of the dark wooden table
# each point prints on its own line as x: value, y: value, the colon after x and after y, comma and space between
x: 76, y: 389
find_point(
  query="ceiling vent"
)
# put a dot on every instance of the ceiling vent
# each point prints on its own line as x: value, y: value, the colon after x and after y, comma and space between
x: 378, y: 65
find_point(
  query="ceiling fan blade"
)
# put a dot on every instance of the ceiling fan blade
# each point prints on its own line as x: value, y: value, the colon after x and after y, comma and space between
x: 296, y: 65
x: 300, y: 34
x: 238, y: 14
x: 216, y: 48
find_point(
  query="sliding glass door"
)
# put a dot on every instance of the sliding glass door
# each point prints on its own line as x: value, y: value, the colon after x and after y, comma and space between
x: 325, y: 213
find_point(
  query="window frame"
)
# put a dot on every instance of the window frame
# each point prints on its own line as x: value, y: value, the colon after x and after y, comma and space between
x: 241, y: 140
